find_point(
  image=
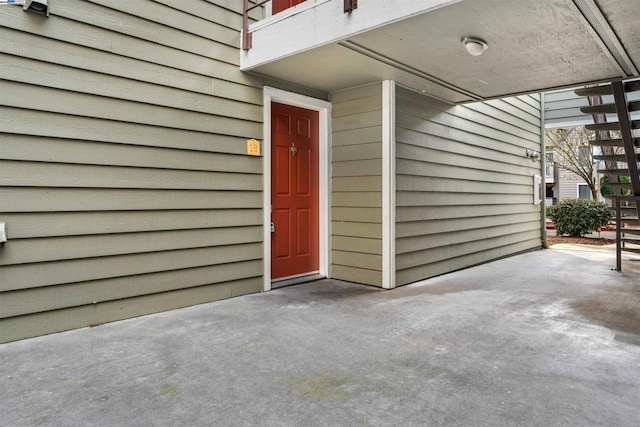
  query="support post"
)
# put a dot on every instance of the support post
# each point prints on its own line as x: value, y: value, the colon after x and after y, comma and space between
x: 246, y: 37
x: 618, y: 235
x: 350, y: 5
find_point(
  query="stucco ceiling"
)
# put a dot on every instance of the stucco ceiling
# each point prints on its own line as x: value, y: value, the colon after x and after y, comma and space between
x: 534, y: 45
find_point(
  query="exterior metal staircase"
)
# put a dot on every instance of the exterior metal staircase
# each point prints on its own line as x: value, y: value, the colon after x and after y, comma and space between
x: 620, y: 156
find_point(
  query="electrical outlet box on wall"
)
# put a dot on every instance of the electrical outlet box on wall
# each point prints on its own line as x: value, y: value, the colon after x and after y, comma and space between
x: 3, y: 234
x: 537, y: 189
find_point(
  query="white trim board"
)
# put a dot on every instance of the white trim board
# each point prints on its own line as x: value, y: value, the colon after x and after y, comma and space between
x: 578, y: 184
x: 388, y: 184
x: 323, y: 108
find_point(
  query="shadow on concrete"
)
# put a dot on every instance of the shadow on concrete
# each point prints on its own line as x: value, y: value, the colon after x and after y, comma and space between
x: 544, y: 338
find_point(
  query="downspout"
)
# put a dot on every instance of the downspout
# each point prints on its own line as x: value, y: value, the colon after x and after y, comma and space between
x: 543, y: 175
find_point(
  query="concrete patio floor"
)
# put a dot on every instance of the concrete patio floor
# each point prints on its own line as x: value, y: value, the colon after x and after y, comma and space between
x: 541, y: 339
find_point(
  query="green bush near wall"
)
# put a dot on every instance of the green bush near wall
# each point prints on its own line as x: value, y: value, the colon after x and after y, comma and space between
x: 577, y: 217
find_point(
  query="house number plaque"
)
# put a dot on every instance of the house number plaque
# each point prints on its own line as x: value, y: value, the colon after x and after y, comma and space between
x: 253, y: 147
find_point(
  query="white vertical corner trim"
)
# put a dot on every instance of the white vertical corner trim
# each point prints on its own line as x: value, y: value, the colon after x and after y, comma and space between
x: 388, y: 184
x: 543, y: 172
x: 323, y: 108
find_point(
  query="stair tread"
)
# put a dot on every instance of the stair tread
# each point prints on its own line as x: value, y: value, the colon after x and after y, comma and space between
x: 634, y: 106
x: 631, y: 221
x: 623, y: 185
x: 602, y: 108
x: 604, y: 126
x: 624, y: 208
x: 607, y: 89
x: 595, y: 90
x: 632, y: 86
x: 614, y: 157
x: 635, y: 124
x: 615, y: 142
x: 626, y: 197
x: 609, y: 108
x: 621, y: 172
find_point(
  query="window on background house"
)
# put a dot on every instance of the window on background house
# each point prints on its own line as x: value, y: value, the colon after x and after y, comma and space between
x: 584, y: 192
x: 549, y: 192
x: 584, y: 156
x: 549, y: 165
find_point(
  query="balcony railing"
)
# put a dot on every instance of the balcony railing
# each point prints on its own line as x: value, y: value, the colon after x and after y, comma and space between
x: 246, y: 8
x: 249, y: 5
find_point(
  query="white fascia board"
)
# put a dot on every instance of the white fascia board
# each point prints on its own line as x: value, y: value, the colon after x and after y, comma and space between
x: 323, y: 22
x: 388, y: 184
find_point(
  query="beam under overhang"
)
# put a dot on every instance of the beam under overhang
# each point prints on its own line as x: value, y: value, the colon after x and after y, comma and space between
x: 611, y: 45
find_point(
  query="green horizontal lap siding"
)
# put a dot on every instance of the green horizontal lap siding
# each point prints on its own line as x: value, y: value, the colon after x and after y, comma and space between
x: 356, y: 185
x: 124, y: 179
x: 464, y: 189
x: 15, y: 328
x: 563, y: 106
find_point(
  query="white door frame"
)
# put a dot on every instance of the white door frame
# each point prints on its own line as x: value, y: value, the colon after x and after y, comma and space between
x: 324, y: 111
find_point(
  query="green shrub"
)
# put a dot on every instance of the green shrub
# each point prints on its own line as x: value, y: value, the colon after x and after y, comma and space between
x: 577, y: 217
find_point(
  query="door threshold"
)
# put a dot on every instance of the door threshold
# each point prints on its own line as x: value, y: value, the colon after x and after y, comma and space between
x: 296, y: 280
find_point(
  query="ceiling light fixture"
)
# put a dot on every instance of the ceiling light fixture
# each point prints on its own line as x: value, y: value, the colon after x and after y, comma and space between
x: 474, y: 45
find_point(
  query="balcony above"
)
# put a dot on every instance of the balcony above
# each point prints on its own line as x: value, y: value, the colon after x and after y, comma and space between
x: 532, y: 45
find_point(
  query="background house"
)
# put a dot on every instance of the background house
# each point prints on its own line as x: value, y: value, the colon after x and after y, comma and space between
x: 131, y: 181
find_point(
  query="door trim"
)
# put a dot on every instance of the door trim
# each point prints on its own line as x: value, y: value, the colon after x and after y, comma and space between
x: 323, y: 108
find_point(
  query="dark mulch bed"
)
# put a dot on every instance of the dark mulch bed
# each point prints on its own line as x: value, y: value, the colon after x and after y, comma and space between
x: 580, y: 240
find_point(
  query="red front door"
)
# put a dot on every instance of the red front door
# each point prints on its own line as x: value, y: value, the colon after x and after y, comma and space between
x: 280, y: 5
x: 294, y: 191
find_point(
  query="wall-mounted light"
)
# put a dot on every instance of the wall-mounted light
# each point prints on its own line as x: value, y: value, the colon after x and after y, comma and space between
x: 474, y: 45
x: 533, y: 155
x: 37, y: 6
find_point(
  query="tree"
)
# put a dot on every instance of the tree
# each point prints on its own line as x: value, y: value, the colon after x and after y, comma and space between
x: 573, y: 152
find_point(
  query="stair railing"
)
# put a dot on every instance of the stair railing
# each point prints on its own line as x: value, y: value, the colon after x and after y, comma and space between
x: 629, y: 144
x: 627, y: 137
